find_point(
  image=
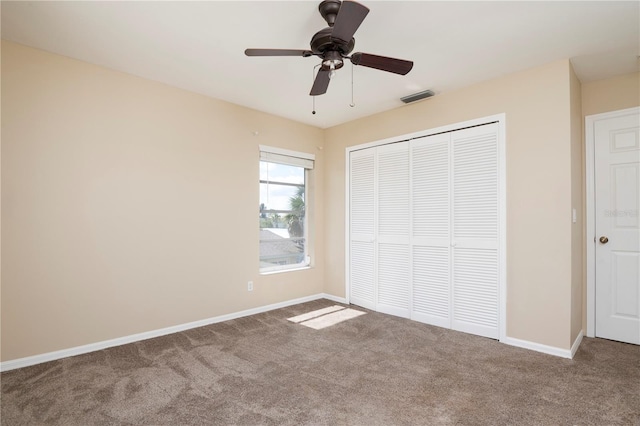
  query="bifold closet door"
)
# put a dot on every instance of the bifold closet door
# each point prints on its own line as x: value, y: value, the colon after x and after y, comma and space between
x: 424, y: 229
x: 431, y: 239
x: 475, y: 230
x: 393, y: 222
x: 362, y: 205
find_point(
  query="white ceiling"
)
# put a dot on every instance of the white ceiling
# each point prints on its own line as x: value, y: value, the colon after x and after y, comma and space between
x: 199, y: 46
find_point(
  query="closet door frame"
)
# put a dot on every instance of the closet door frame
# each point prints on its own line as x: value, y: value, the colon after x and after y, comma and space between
x: 500, y: 119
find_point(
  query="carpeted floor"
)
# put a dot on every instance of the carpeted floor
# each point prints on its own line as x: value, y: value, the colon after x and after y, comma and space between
x: 373, y: 369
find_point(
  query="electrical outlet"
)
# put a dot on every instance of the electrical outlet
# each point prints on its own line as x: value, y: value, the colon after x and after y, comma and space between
x: 250, y: 286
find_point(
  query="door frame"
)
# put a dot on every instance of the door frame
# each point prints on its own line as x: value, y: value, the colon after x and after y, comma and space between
x: 590, y: 212
x: 500, y: 119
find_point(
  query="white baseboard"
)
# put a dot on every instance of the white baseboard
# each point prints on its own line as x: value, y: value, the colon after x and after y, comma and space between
x: 334, y: 298
x: 538, y: 347
x: 79, y: 350
x: 576, y: 344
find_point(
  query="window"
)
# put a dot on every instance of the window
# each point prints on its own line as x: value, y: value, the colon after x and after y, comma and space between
x: 283, y: 209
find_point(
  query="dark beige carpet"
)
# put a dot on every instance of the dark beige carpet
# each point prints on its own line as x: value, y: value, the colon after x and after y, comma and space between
x: 371, y: 370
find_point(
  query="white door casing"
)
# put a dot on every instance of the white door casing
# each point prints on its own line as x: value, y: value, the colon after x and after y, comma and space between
x: 616, y: 225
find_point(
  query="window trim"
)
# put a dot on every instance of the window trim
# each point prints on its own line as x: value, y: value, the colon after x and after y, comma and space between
x: 272, y: 154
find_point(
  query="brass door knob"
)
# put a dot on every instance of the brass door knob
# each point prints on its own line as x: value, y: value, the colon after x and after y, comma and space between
x: 604, y: 240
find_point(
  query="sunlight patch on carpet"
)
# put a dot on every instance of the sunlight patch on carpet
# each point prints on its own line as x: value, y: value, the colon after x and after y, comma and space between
x: 326, y: 317
x: 316, y: 313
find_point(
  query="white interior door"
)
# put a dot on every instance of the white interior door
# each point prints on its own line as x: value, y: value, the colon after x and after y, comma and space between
x: 362, y: 201
x: 475, y: 231
x: 431, y: 302
x: 617, y: 223
x: 393, y: 229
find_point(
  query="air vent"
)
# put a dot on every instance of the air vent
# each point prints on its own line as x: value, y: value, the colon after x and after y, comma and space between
x: 417, y: 96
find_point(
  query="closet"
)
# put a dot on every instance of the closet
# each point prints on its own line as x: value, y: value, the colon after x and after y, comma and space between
x: 425, y: 228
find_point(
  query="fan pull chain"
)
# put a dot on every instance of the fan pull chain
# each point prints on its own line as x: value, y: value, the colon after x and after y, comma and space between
x: 313, y: 77
x: 352, y: 104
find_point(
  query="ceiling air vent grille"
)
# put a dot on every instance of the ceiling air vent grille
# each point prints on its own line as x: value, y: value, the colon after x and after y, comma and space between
x: 417, y: 96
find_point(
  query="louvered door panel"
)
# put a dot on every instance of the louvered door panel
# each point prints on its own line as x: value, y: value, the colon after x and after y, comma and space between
x: 430, y: 188
x: 430, y: 201
x: 475, y: 182
x: 393, y: 191
x: 431, y: 286
x: 362, y: 196
x: 393, y: 228
x: 362, y: 228
x: 362, y: 274
x: 475, y: 230
x: 475, y: 291
x: 393, y: 279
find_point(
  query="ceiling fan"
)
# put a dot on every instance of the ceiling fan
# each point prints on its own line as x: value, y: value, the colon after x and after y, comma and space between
x: 334, y: 44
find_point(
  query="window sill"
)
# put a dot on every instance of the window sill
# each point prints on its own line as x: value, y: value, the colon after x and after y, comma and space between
x: 280, y: 271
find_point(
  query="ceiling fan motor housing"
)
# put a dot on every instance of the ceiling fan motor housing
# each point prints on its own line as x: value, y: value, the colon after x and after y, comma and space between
x: 331, y: 49
x: 322, y: 42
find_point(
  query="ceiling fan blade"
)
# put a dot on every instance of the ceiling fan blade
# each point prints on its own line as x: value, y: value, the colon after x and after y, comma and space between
x: 350, y: 16
x: 277, y: 52
x: 396, y: 66
x: 321, y: 83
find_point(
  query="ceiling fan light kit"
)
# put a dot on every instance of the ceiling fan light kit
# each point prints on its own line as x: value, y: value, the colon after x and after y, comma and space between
x: 334, y: 44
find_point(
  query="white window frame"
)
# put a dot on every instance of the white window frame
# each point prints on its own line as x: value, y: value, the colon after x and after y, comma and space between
x: 296, y: 159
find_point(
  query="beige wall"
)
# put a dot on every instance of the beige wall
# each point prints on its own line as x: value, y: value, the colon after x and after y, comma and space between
x: 537, y: 104
x: 129, y: 205
x: 577, y: 203
x: 611, y: 94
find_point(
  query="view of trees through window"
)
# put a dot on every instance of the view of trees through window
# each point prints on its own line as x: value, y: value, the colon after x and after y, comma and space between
x: 281, y: 215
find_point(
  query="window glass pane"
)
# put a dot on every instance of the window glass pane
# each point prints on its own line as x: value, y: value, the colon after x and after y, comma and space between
x: 276, y: 250
x: 281, y: 173
x: 282, y: 233
x: 278, y: 197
